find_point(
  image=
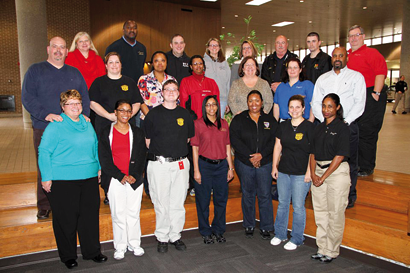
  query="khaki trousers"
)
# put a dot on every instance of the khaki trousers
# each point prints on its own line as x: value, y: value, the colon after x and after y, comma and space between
x: 329, y: 204
x: 402, y: 97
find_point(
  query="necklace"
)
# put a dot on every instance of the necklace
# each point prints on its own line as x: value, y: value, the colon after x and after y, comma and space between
x: 295, y: 128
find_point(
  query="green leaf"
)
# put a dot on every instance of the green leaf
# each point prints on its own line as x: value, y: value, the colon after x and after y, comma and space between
x: 222, y: 37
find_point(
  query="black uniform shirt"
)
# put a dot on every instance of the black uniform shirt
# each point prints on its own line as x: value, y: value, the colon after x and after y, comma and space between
x: 400, y: 85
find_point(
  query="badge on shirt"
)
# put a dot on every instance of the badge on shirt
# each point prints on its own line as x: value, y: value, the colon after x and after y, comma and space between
x: 141, y: 53
x: 180, y: 121
x: 185, y: 65
x: 181, y: 165
x: 266, y: 124
x: 298, y: 136
x: 124, y: 87
x: 316, y: 66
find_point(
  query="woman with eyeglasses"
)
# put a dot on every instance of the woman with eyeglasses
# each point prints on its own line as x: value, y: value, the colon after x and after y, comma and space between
x: 248, y: 48
x: 213, y: 169
x: 217, y: 68
x: 107, y: 90
x: 122, y: 152
x: 293, y: 84
x: 249, y: 72
x: 195, y: 88
x: 69, y: 166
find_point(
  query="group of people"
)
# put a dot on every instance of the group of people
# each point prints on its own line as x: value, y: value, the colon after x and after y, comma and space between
x: 305, y: 124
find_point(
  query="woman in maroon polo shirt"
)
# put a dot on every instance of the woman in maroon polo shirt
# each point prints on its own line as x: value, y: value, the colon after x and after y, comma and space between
x: 213, y: 169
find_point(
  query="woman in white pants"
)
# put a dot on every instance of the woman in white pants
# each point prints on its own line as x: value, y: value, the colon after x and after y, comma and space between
x: 122, y: 154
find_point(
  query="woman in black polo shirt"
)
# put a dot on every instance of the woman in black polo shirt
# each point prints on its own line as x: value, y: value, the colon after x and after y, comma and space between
x: 213, y: 169
x: 331, y: 180
x: 253, y: 135
x: 293, y: 174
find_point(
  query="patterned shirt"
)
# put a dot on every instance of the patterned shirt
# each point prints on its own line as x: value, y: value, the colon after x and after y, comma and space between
x: 150, y: 89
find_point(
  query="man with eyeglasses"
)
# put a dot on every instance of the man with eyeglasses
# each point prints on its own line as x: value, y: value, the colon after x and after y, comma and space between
x: 178, y: 61
x: 316, y: 62
x: 274, y: 65
x: 42, y: 85
x: 168, y: 128
x: 371, y: 64
x: 350, y: 86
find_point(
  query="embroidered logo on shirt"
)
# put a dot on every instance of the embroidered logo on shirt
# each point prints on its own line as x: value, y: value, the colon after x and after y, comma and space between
x: 185, y: 65
x: 316, y: 66
x: 141, y: 53
x: 298, y: 136
x: 124, y: 87
x: 333, y: 134
x: 266, y: 123
x: 180, y: 121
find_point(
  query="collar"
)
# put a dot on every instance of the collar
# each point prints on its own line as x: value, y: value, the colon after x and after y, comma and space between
x: 198, y: 77
x: 128, y: 42
x: 343, y: 70
x: 363, y: 47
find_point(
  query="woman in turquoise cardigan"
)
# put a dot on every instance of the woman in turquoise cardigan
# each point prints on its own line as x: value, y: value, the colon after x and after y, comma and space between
x: 69, y: 167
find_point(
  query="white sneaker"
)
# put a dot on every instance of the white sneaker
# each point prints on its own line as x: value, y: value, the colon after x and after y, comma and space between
x: 290, y: 246
x: 192, y: 192
x: 119, y: 254
x: 138, y: 251
x: 276, y: 241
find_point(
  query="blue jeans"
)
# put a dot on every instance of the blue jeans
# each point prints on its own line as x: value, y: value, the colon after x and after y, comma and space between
x: 291, y: 187
x: 213, y: 176
x: 256, y: 182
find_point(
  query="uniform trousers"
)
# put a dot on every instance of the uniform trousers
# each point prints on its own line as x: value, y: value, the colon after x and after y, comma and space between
x: 329, y: 204
x: 402, y: 97
x: 125, y: 206
x: 213, y: 176
x: 370, y: 124
x: 75, y: 205
x: 353, y: 159
x: 168, y: 185
x: 42, y: 201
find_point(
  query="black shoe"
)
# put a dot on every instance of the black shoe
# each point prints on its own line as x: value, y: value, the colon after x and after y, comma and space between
x: 219, y: 238
x: 265, y: 235
x: 43, y: 214
x: 317, y: 256
x: 249, y: 232
x: 179, y: 245
x: 394, y: 112
x: 162, y: 247
x: 106, y: 201
x: 70, y: 264
x: 365, y: 173
x: 100, y: 258
x: 208, y: 239
x: 326, y: 259
x: 351, y: 203
x: 404, y: 112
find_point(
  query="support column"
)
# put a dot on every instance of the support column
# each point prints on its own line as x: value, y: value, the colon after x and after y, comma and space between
x: 405, y: 49
x: 32, y: 38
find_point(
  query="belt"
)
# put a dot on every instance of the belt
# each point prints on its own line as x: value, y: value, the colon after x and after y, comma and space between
x: 212, y: 161
x: 323, y: 166
x: 163, y: 159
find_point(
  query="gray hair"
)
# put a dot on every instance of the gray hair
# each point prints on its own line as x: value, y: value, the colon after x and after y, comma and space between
x: 357, y: 26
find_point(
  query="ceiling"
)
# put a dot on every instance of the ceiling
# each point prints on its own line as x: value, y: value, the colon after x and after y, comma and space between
x: 330, y: 18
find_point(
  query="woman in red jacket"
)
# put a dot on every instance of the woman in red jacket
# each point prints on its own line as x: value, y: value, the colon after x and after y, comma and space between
x: 83, y: 56
x: 197, y: 86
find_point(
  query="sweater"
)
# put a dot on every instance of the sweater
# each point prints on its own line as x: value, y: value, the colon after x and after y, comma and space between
x: 220, y: 73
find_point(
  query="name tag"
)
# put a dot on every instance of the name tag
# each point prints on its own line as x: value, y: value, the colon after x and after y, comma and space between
x: 141, y: 53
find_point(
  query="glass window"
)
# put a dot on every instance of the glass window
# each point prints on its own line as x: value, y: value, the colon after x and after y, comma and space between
x: 395, y: 75
x: 330, y: 49
x: 376, y: 41
x: 348, y: 46
x: 397, y: 38
x: 368, y: 42
x: 387, y: 39
x: 296, y: 52
x: 324, y: 49
x: 302, y: 54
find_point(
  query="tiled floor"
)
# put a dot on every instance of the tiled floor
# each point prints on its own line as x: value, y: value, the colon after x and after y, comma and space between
x: 17, y: 152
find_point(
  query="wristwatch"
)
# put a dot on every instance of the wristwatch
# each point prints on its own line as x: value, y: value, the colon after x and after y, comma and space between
x: 377, y: 93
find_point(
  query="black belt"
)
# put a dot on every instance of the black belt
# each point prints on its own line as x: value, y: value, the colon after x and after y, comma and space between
x: 323, y: 166
x: 163, y: 159
x: 212, y: 161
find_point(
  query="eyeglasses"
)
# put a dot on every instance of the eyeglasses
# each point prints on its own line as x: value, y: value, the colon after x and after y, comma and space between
x: 355, y: 35
x: 171, y: 90
x: 246, y: 47
x: 73, y: 104
x: 198, y: 64
x: 293, y: 67
x: 211, y: 105
x: 122, y: 111
x: 213, y: 45
x: 250, y: 65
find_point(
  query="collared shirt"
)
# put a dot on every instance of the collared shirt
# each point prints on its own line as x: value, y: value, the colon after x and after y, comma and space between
x: 349, y: 85
x: 367, y: 61
x: 135, y: 42
x: 151, y: 90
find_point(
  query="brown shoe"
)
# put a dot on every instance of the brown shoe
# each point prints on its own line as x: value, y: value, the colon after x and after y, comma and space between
x: 43, y: 214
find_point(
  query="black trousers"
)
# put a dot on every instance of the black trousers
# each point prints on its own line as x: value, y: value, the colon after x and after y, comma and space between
x: 75, y: 205
x: 370, y: 124
x: 353, y: 159
x: 42, y: 201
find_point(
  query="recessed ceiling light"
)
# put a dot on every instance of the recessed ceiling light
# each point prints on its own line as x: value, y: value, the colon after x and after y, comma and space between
x: 310, y: 22
x: 301, y: 1
x: 282, y: 24
x: 208, y: 0
x: 297, y: 45
x: 274, y: 30
x: 364, y: 7
x: 257, y: 2
x: 264, y: 44
x: 236, y: 15
x: 223, y: 27
x: 288, y: 39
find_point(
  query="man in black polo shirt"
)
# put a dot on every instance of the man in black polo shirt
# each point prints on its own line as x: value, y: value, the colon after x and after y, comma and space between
x: 178, y: 61
x: 274, y: 65
x: 317, y: 62
x: 401, y: 87
x: 168, y: 128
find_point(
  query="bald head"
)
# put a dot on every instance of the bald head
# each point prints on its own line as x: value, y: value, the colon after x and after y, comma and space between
x: 281, y: 45
x: 339, y: 58
x: 57, y: 51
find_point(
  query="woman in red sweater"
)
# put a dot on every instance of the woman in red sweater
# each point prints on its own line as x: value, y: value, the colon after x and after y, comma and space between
x: 83, y: 56
x: 197, y: 86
